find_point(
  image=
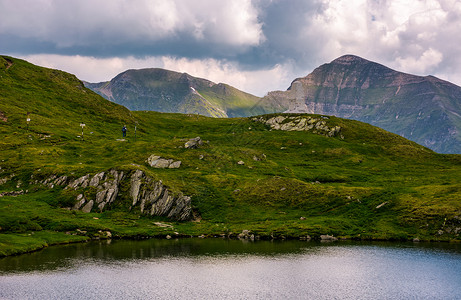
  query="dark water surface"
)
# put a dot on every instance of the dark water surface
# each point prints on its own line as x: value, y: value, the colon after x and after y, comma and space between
x: 230, y: 269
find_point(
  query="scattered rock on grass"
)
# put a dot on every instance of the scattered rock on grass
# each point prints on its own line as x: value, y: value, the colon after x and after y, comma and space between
x: 158, y: 162
x: 193, y: 143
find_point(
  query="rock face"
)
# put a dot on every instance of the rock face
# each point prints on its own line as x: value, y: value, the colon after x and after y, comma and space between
x: 153, y: 198
x: 300, y: 123
x: 101, y: 191
x: 426, y: 110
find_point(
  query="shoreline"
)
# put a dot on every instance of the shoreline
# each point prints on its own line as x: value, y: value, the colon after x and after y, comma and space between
x: 325, y: 239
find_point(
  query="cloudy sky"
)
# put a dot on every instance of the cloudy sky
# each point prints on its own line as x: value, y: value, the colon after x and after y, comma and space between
x: 256, y: 46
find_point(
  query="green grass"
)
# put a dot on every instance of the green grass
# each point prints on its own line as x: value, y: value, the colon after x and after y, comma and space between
x: 292, y: 184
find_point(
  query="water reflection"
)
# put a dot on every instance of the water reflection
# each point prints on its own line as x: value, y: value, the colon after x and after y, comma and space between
x: 59, y: 257
x: 231, y: 269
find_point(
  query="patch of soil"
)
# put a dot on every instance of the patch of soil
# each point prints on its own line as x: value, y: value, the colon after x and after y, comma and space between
x: 9, y: 63
x: 3, y: 117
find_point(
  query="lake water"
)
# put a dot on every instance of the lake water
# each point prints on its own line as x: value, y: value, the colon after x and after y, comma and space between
x: 232, y: 269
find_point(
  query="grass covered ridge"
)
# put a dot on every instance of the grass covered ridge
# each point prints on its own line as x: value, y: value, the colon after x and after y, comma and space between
x: 370, y: 185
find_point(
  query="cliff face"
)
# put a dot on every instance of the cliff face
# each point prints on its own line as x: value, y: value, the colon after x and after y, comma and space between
x: 426, y: 110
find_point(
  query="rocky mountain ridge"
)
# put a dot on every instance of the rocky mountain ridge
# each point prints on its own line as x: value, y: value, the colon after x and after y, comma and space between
x: 426, y: 109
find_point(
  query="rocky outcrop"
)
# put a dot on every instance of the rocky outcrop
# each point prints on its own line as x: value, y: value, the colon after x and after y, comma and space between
x: 6, y: 179
x: 50, y: 181
x: 107, y: 188
x: 300, y: 123
x: 101, y: 191
x: 158, y: 162
x: 153, y: 198
x: 12, y: 193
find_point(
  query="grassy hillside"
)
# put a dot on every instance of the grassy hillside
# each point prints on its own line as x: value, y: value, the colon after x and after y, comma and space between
x: 365, y: 183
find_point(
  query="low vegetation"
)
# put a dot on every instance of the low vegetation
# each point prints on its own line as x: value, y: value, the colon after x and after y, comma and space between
x: 364, y: 183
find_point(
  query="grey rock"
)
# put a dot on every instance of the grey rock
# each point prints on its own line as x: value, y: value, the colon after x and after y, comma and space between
x: 162, y: 163
x: 100, y: 196
x: 135, y: 185
x: 80, y: 201
x: 158, y: 162
x: 246, y: 235
x: 326, y: 237
x: 193, y: 143
x: 175, y: 165
x: 381, y: 205
x: 61, y: 180
x: 111, y: 194
x: 96, y: 179
x: 87, y: 208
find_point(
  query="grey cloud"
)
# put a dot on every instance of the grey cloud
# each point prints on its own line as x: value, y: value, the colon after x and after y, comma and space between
x: 112, y: 28
x: 253, y: 35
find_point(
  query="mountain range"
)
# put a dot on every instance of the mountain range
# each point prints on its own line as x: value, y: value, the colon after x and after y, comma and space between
x: 426, y: 110
x: 167, y: 91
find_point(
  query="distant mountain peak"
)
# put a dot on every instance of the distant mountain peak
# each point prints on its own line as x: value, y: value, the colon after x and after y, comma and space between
x: 169, y: 91
x: 349, y: 59
x: 424, y: 109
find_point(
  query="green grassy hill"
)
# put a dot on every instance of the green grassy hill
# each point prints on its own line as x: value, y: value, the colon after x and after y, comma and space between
x: 360, y: 183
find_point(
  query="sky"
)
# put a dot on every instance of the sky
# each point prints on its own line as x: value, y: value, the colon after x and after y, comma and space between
x: 254, y: 45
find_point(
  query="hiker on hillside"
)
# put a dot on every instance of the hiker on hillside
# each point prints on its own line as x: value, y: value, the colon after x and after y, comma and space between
x: 124, y: 130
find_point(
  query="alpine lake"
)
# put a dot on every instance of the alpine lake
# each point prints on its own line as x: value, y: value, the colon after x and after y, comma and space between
x: 234, y: 269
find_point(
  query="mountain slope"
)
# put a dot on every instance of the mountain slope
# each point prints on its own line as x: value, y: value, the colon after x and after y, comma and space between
x: 426, y: 110
x: 276, y: 176
x: 55, y: 102
x: 167, y: 91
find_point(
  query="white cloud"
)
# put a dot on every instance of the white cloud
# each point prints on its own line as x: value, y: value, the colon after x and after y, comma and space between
x: 419, y: 65
x: 414, y: 36
x: 343, y: 23
x: 257, y: 82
